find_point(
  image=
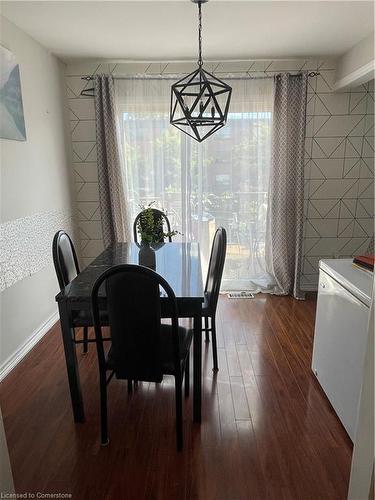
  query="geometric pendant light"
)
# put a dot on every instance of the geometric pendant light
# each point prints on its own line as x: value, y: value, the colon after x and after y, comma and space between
x: 199, y: 101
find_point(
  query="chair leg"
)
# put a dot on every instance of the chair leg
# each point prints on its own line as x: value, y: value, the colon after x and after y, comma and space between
x: 103, y: 410
x: 187, y: 376
x: 206, y: 325
x: 85, y: 338
x: 214, y: 344
x: 130, y: 386
x: 178, y: 390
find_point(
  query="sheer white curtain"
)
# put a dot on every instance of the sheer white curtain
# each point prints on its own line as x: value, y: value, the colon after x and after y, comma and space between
x: 220, y: 182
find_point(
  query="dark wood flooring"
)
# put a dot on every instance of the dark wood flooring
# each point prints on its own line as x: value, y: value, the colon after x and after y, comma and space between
x: 267, y: 432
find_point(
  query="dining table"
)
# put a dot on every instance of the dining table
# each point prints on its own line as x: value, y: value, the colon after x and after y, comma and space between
x: 178, y: 263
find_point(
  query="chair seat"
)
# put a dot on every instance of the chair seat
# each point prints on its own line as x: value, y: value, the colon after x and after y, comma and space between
x: 185, y: 336
x: 167, y: 355
x: 84, y: 318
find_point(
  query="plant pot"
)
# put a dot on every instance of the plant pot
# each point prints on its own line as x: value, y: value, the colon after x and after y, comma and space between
x: 146, y: 256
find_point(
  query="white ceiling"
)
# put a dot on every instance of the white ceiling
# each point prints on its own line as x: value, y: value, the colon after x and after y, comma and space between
x: 166, y: 30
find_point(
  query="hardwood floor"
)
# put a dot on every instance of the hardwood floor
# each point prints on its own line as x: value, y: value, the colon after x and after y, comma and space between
x: 267, y: 432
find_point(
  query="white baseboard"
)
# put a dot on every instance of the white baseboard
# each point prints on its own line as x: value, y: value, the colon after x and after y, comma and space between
x: 21, y: 352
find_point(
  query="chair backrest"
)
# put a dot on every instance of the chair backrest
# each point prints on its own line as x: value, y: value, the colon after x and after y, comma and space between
x: 64, y: 258
x: 215, y: 268
x: 158, y: 216
x: 133, y: 305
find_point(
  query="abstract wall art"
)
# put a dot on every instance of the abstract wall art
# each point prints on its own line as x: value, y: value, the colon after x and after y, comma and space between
x: 12, y: 122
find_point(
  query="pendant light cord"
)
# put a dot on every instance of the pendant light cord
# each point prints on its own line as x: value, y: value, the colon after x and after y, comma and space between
x: 200, y: 62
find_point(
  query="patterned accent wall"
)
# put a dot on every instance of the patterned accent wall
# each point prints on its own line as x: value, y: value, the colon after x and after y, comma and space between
x: 339, y: 157
x: 25, y: 244
x: 339, y: 173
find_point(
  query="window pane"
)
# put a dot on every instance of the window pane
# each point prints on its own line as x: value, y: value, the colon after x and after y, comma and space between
x: 220, y: 182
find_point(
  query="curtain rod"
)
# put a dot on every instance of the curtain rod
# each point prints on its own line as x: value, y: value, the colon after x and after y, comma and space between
x: 173, y: 77
x: 90, y: 92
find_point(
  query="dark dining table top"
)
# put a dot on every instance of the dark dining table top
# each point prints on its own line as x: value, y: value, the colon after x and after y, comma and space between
x: 178, y: 263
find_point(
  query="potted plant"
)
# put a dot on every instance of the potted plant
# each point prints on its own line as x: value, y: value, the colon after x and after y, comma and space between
x: 151, y: 232
x: 150, y: 228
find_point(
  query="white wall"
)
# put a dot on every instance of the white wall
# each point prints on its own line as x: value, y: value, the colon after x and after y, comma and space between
x: 35, y: 194
x: 363, y: 452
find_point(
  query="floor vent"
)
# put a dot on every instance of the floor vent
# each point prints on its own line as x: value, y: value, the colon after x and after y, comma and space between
x: 240, y: 295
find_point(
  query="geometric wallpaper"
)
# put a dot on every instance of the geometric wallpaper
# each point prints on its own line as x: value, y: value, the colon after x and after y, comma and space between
x: 339, y: 155
x: 339, y: 173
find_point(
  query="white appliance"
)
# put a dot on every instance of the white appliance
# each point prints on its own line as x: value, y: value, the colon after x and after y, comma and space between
x: 340, y: 339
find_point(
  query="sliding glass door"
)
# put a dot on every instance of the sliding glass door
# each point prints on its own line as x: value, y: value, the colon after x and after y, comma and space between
x: 220, y: 182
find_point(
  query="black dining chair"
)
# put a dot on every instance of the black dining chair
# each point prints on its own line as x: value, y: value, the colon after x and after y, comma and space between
x: 67, y: 268
x: 212, y: 288
x: 142, y: 348
x: 158, y: 216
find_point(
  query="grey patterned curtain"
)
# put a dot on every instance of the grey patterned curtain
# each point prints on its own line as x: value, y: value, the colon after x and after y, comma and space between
x: 113, y: 207
x: 286, y: 187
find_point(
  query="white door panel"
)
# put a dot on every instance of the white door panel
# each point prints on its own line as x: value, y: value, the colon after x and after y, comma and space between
x: 339, y: 348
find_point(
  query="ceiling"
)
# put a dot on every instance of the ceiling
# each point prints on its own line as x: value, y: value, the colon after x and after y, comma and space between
x: 167, y: 30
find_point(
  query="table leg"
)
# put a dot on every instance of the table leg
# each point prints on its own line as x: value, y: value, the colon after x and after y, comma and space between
x: 197, y: 388
x: 71, y: 363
